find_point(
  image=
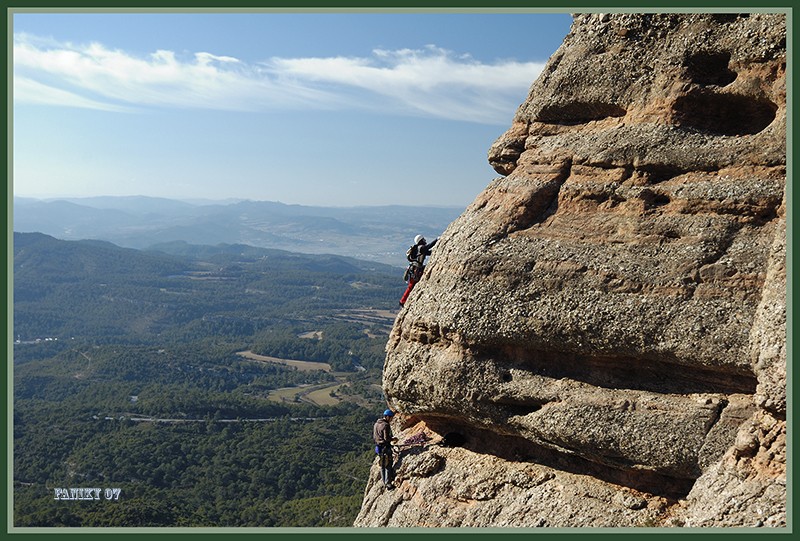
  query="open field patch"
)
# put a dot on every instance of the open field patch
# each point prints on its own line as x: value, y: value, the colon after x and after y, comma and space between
x: 319, y: 395
x: 384, y: 319
x: 324, y: 396
x: 306, y: 366
x: 287, y: 394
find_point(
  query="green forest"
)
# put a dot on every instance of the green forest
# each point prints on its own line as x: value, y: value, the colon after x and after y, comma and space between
x: 130, y: 377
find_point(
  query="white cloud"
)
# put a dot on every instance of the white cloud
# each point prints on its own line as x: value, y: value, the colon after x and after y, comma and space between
x: 207, y: 58
x: 30, y: 91
x: 431, y: 81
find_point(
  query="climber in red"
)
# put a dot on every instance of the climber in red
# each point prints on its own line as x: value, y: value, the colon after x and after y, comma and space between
x: 416, y: 255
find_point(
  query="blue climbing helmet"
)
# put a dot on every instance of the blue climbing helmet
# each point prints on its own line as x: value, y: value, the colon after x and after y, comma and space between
x: 388, y: 413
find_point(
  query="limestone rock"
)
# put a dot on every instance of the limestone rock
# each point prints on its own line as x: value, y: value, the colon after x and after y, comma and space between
x: 605, y: 325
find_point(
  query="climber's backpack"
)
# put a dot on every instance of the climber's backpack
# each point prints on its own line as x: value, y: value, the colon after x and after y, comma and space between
x: 414, y: 269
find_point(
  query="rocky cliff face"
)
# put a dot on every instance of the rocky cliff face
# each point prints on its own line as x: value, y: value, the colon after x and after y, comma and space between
x: 600, y: 338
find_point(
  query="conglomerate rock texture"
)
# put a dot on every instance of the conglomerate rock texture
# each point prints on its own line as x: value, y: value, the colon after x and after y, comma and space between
x: 600, y: 339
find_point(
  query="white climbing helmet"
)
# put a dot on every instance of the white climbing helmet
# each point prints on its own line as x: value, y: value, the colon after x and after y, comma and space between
x: 418, y: 239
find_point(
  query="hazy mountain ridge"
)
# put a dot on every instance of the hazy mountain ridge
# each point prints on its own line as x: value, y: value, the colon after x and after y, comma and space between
x: 373, y: 233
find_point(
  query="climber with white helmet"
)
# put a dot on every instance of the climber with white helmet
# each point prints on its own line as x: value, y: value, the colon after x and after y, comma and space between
x: 416, y: 255
x: 382, y: 434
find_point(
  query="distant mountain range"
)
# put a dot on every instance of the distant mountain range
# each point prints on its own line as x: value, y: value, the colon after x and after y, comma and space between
x: 380, y: 233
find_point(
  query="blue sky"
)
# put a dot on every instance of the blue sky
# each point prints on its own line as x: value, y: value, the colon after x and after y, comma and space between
x: 331, y: 109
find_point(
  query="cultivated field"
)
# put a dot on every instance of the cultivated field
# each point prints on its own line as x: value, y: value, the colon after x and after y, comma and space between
x: 306, y: 366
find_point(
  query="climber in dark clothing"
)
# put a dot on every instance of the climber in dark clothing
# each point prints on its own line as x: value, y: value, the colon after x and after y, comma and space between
x: 416, y: 263
x: 382, y: 434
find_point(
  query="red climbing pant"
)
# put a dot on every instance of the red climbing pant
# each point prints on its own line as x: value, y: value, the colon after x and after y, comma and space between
x: 411, y: 283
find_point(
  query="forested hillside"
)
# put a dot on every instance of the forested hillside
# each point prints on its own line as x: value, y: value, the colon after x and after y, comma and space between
x: 182, y: 376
